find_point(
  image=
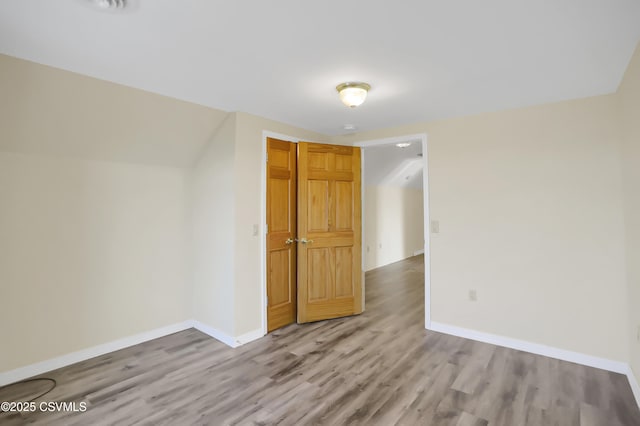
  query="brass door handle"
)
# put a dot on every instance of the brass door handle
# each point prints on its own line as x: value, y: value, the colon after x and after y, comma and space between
x: 289, y: 241
x: 305, y: 241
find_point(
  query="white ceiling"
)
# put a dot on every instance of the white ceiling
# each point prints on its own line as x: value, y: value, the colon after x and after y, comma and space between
x: 388, y: 165
x: 425, y: 59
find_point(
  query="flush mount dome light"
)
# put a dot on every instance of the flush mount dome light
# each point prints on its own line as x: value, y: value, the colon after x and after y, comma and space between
x: 353, y: 94
x: 112, y: 7
x: 109, y: 4
x: 403, y: 144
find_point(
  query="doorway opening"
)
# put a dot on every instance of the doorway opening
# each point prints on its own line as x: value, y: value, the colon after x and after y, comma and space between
x: 395, y: 200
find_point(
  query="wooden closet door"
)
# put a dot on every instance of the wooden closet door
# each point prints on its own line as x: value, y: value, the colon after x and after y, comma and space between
x: 329, y: 232
x: 281, y: 233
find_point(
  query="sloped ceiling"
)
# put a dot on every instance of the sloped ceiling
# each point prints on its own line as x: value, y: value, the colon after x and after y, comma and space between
x: 388, y: 165
x: 46, y: 111
x: 425, y: 59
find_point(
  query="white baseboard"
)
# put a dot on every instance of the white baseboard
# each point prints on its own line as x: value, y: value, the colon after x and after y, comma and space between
x: 215, y: 333
x: 635, y: 387
x: 249, y: 337
x: 535, y: 348
x: 417, y: 252
x: 82, y: 355
x: 25, y: 372
x: 228, y: 340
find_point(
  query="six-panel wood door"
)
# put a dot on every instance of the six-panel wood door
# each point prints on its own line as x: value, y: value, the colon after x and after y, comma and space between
x: 281, y: 235
x: 329, y: 232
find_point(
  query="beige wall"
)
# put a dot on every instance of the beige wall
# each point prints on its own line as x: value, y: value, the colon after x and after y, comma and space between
x: 47, y: 111
x: 530, y: 211
x: 629, y: 95
x: 393, y: 224
x: 90, y: 252
x: 212, y: 217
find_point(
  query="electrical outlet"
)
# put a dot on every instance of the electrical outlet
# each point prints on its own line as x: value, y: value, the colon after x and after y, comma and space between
x: 435, y: 227
x: 473, y: 295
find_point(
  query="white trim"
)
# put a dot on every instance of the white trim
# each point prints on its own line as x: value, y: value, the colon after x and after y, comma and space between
x: 84, y: 354
x: 263, y: 234
x: 215, y: 333
x: 228, y: 340
x: 418, y: 252
x: 549, y: 351
x: 39, y: 368
x: 36, y: 369
x: 391, y: 141
x: 534, y: 348
x: 263, y: 223
x: 363, y: 224
x: 249, y: 337
x: 268, y: 134
x: 633, y: 382
x: 422, y: 137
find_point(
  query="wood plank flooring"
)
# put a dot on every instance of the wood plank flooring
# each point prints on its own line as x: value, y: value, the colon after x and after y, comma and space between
x: 379, y: 368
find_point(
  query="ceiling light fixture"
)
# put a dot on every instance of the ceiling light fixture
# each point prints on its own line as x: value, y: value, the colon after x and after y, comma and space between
x: 353, y: 94
x: 403, y: 144
x: 109, y: 4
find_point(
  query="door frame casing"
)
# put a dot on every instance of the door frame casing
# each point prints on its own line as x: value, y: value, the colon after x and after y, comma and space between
x: 422, y: 137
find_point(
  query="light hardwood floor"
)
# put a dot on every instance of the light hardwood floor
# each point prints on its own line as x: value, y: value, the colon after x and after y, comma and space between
x: 379, y: 368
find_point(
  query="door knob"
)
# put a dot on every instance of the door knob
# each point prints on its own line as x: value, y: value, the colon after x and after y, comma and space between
x: 305, y: 241
x: 289, y: 241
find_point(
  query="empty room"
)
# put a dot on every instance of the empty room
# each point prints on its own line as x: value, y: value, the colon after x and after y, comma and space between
x: 333, y: 213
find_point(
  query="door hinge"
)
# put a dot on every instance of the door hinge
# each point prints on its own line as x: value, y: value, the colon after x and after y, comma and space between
x: 266, y: 228
x: 267, y: 158
x: 267, y: 300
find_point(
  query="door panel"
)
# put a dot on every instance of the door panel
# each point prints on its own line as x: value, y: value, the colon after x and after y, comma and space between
x: 319, y: 278
x: 279, y: 188
x: 318, y: 206
x: 317, y: 162
x: 344, y: 206
x: 329, y: 264
x: 344, y: 272
x: 343, y: 163
x: 280, y: 267
x: 281, y: 223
